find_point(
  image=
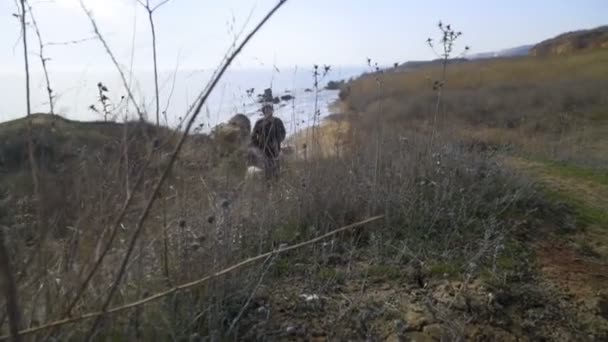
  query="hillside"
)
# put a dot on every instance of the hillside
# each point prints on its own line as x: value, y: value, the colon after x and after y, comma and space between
x: 566, y: 43
x: 544, y: 119
x: 83, y: 170
x: 413, y: 65
x: 571, y: 42
x: 517, y: 51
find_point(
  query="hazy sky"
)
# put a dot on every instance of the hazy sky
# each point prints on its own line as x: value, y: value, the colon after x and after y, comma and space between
x: 195, y: 33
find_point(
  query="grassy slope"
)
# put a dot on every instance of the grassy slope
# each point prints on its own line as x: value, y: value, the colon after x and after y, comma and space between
x: 501, y: 76
x: 562, y: 179
x: 499, y: 71
x: 573, y: 42
x: 555, y: 107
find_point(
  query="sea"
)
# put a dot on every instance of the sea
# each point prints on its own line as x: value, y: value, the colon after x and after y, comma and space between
x: 76, y: 93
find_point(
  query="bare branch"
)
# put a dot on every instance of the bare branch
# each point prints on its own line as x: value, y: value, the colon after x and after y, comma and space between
x: 171, y: 92
x: 30, y: 142
x: 70, y: 42
x: 159, y: 5
x: 153, y: 32
x: 194, y: 283
x: 25, y: 59
x: 43, y: 60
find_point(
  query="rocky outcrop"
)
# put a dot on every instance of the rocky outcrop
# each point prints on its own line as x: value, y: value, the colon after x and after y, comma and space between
x: 268, y: 97
x: 572, y: 42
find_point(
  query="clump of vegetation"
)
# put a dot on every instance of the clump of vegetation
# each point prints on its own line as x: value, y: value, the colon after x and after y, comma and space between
x: 108, y: 108
x: 335, y: 85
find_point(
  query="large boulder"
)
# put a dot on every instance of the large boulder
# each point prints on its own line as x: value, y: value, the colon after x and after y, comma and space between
x: 242, y: 122
x: 232, y: 135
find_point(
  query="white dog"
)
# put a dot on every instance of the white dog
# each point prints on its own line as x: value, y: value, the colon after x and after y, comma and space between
x: 253, y: 172
x: 255, y: 163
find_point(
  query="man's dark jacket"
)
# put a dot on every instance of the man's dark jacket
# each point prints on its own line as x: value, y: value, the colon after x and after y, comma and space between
x: 268, y: 134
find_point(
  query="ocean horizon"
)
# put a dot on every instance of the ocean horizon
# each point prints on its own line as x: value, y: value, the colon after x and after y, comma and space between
x: 76, y: 92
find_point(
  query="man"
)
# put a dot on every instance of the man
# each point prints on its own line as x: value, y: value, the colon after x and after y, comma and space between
x: 268, y: 134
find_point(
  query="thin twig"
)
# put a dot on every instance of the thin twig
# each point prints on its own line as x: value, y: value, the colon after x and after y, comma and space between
x: 150, y: 11
x: 154, y: 195
x: 43, y: 60
x: 171, y: 92
x: 194, y: 283
x: 70, y: 42
x: 25, y: 59
x: 30, y: 145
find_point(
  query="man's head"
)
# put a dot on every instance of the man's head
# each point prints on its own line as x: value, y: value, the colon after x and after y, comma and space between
x: 267, y: 110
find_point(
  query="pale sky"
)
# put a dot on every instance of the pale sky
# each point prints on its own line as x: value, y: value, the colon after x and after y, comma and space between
x: 196, y: 33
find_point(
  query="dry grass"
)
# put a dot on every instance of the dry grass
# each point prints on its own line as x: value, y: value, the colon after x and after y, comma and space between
x: 207, y: 219
x: 555, y: 107
x: 329, y: 142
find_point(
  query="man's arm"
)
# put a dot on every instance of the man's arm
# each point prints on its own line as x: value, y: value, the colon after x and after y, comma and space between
x: 255, y: 136
x: 280, y: 130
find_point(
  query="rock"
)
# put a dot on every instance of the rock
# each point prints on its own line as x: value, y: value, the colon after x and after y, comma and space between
x: 308, y: 90
x: 435, y: 331
x: 294, y: 330
x: 287, y: 97
x: 263, y: 312
x: 228, y: 137
x: 267, y: 96
x: 242, y: 122
x: 415, y: 321
x: 309, y: 297
x: 291, y: 330
x: 262, y: 296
